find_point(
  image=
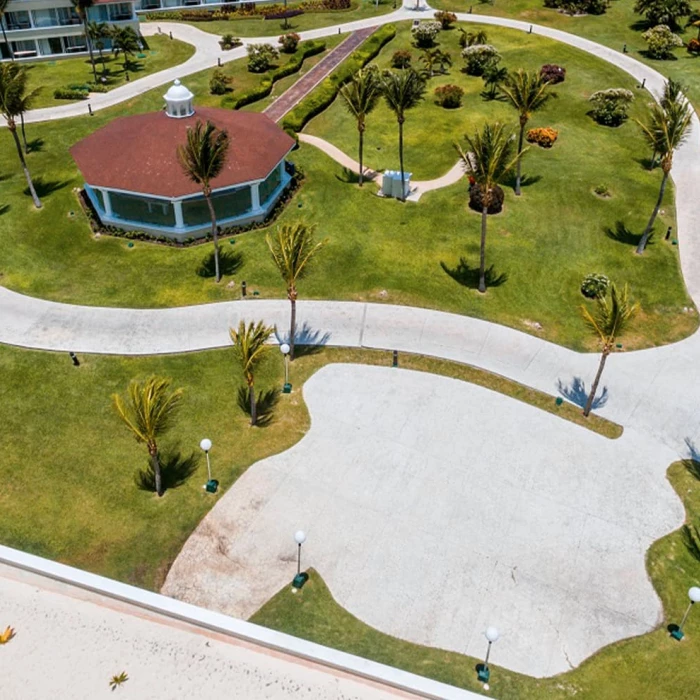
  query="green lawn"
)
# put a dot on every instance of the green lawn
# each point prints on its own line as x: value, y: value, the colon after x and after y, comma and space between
x: 382, y: 245
x: 650, y: 667
x: 250, y: 27
x: 68, y: 464
x: 161, y: 53
x: 620, y: 25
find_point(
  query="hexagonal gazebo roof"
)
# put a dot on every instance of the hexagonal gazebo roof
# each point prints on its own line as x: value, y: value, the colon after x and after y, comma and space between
x: 139, y: 153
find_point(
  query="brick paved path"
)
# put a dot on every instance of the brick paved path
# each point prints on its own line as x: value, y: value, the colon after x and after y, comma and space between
x: 287, y: 100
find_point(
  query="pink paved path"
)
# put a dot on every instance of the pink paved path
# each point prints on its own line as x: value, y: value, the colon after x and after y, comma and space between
x: 287, y: 100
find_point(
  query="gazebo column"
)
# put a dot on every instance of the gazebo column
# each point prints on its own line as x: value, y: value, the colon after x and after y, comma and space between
x: 107, y: 202
x: 179, y: 218
x: 255, y: 196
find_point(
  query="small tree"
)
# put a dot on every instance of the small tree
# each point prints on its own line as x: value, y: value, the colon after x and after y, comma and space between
x: 81, y: 9
x: 149, y: 411
x: 446, y: 19
x: 99, y: 32
x: 661, y: 41
x: 667, y: 127
x: 472, y: 38
x: 434, y: 58
x: 360, y: 96
x: 202, y: 158
x: 125, y: 41
x: 612, y: 314
x: 667, y: 12
x: 402, y: 90
x: 261, y: 57
x: 425, y: 33
x: 493, y: 76
x: 219, y: 83
x: 479, y: 57
x: 292, y: 250
x: 401, y: 59
x: 249, y: 345
x: 449, y: 96
x: 610, y: 106
x: 289, y: 42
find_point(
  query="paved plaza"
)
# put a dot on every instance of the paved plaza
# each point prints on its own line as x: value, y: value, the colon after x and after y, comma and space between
x: 434, y: 508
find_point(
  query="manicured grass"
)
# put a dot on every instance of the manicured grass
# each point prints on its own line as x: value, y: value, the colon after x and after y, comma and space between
x: 161, y: 53
x: 249, y: 27
x: 620, y: 25
x: 545, y: 241
x: 68, y: 463
x: 650, y: 667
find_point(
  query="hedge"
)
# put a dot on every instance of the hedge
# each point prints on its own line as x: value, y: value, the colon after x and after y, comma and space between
x: 323, y: 95
x: 264, y: 88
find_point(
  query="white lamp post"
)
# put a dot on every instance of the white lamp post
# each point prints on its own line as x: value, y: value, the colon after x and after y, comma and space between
x: 300, y: 538
x: 284, y: 349
x: 212, y: 485
x: 492, y: 634
x: 694, y: 595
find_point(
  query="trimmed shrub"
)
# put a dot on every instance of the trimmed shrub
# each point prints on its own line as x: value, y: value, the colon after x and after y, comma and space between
x: 579, y: 7
x: 228, y: 41
x: 693, y: 47
x: 260, y: 57
x: 449, y: 96
x: 668, y: 12
x: 553, y: 74
x: 283, y: 14
x: 324, y: 94
x: 67, y: 94
x: 219, y: 83
x: 610, y: 106
x: 602, y: 190
x: 595, y: 286
x: 476, y: 202
x: 289, y: 42
x: 446, y: 19
x: 401, y: 59
x: 661, y: 42
x: 478, y: 57
x: 543, y: 136
x: 425, y: 33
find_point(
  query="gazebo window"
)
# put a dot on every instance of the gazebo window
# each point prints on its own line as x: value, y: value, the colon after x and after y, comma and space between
x: 228, y: 204
x: 142, y: 209
x: 270, y: 184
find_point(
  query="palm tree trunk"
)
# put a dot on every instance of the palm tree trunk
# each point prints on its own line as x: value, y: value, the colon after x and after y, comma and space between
x: 215, y: 236
x: 482, y: 254
x: 253, y: 404
x: 403, y: 180
x: 24, y: 135
x: 361, y: 129
x: 594, y: 388
x: 292, y: 324
x: 155, y: 463
x: 521, y: 136
x: 89, y: 45
x: 647, y: 231
x: 286, y: 20
x: 4, y: 36
x: 35, y: 197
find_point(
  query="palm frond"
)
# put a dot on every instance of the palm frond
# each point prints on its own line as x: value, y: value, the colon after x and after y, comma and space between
x: 249, y: 342
x: 204, y: 155
x: 526, y: 91
x: 402, y: 90
x: 292, y: 250
x: 612, y: 314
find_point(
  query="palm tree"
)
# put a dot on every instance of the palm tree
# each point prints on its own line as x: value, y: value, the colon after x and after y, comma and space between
x: 493, y: 76
x: 666, y: 129
x: 489, y: 158
x: 361, y: 96
x: 149, y: 411
x: 249, y: 346
x: 24, y: 104
x: 202, y: 158
x: 402, y: 91
x: 292, y: 251
x: 13, y: 96
x: 611, y: 315
x: 99, y: 31
x: 125, y: 39
x: 527, y: 92
x: 3, y: 9
x: 81, y: 9
x: 430, y: 58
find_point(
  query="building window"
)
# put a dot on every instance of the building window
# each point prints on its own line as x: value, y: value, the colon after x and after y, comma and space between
x: 44, y: 18
x: 145, y: 210
x: 19, y: 19
x: 50, y: 46
x: 270, y: 184
x: 120, y: 12
x: 228, y: 204
x: 67, y: 16
x: 74, y: 44
x: 23, y: 49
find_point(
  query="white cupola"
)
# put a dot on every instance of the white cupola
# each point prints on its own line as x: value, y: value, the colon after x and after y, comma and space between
x: 178, y: 101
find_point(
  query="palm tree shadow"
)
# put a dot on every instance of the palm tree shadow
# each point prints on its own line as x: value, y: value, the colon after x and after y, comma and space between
x: 468, y: 276
x: 35, y: 145
x: 622, y: 234
x: 4, y: 208
x: 489, y: 96
x: 175, y: 468
x: 577, y: 394
x: 230, y: 261
x: 692, y: 462
x: 45, y: 187
x: 352, y: 178
x: 266, y: 404
x: 525, y: 181
x: 307, y: 341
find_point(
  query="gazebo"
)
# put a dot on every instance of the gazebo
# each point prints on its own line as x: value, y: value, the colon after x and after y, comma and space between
x: 135, y: 182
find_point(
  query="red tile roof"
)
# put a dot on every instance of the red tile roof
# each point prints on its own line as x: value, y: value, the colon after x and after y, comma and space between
x: 138, y: 153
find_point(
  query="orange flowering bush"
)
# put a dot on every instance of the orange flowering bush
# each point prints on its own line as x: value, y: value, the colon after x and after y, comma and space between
x: 543, y: 136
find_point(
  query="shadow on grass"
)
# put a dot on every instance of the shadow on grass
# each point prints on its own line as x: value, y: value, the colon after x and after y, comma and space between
x: 175, y: 468
x: 266, y: 404
x: 230, y: 262
x: 490, y: 96
x: 35, y: 145
x: 525, y: 180
x: 468, y: 276
x: 46, y: 187
x: 4, y: 208
x: 692, y: 461
x: 352, y: 178
x: 691, y: 540
x: 622, y: 234
x: 307, y: 341
x: 577, y: 394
